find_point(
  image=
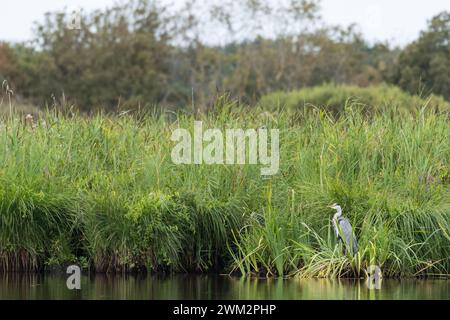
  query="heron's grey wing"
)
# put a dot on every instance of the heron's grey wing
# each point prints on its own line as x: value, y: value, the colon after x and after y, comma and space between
x: 347, y: 234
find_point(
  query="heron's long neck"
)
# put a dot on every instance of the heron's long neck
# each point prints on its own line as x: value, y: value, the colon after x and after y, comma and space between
x: 338, y: 214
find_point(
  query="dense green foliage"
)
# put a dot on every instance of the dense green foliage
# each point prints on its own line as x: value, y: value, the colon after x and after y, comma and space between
x: 103, y: 192
x: 143, y: 53
x: 425, y: 64
x: 335, y: 97
x: 100, y: 189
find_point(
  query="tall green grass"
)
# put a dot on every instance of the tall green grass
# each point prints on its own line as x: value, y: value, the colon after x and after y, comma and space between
x: 104, y: 192
x: 390, y: 174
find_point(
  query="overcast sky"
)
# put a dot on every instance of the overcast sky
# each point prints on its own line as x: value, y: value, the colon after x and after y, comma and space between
x: 399, y: 21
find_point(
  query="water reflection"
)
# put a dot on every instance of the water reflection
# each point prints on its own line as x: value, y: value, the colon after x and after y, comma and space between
x: 14, y: 286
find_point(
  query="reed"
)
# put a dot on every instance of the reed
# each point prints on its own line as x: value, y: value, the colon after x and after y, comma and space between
x: 103, y: 190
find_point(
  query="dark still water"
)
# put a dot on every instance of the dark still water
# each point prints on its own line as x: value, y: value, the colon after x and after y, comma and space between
x: 14, y: 286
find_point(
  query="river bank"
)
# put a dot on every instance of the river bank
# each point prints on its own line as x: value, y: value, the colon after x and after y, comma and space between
x: 102, y: 192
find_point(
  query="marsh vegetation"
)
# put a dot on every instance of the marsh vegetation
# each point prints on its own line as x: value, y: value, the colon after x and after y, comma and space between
x: 87, y: 115
x: 103, y: 192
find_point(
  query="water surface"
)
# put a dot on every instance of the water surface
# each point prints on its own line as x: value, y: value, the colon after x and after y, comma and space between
x: 14, y: 286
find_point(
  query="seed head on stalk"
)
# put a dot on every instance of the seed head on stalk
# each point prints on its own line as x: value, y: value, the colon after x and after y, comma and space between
x: 9, y: 92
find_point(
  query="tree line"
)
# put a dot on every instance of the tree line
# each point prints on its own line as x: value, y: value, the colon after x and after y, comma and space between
x: 142, y: 53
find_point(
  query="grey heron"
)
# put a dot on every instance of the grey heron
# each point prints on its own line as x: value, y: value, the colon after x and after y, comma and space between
x: 344, y: 231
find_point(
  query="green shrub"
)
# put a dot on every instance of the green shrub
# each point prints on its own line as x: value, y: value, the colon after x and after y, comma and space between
x: 335, y: 97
